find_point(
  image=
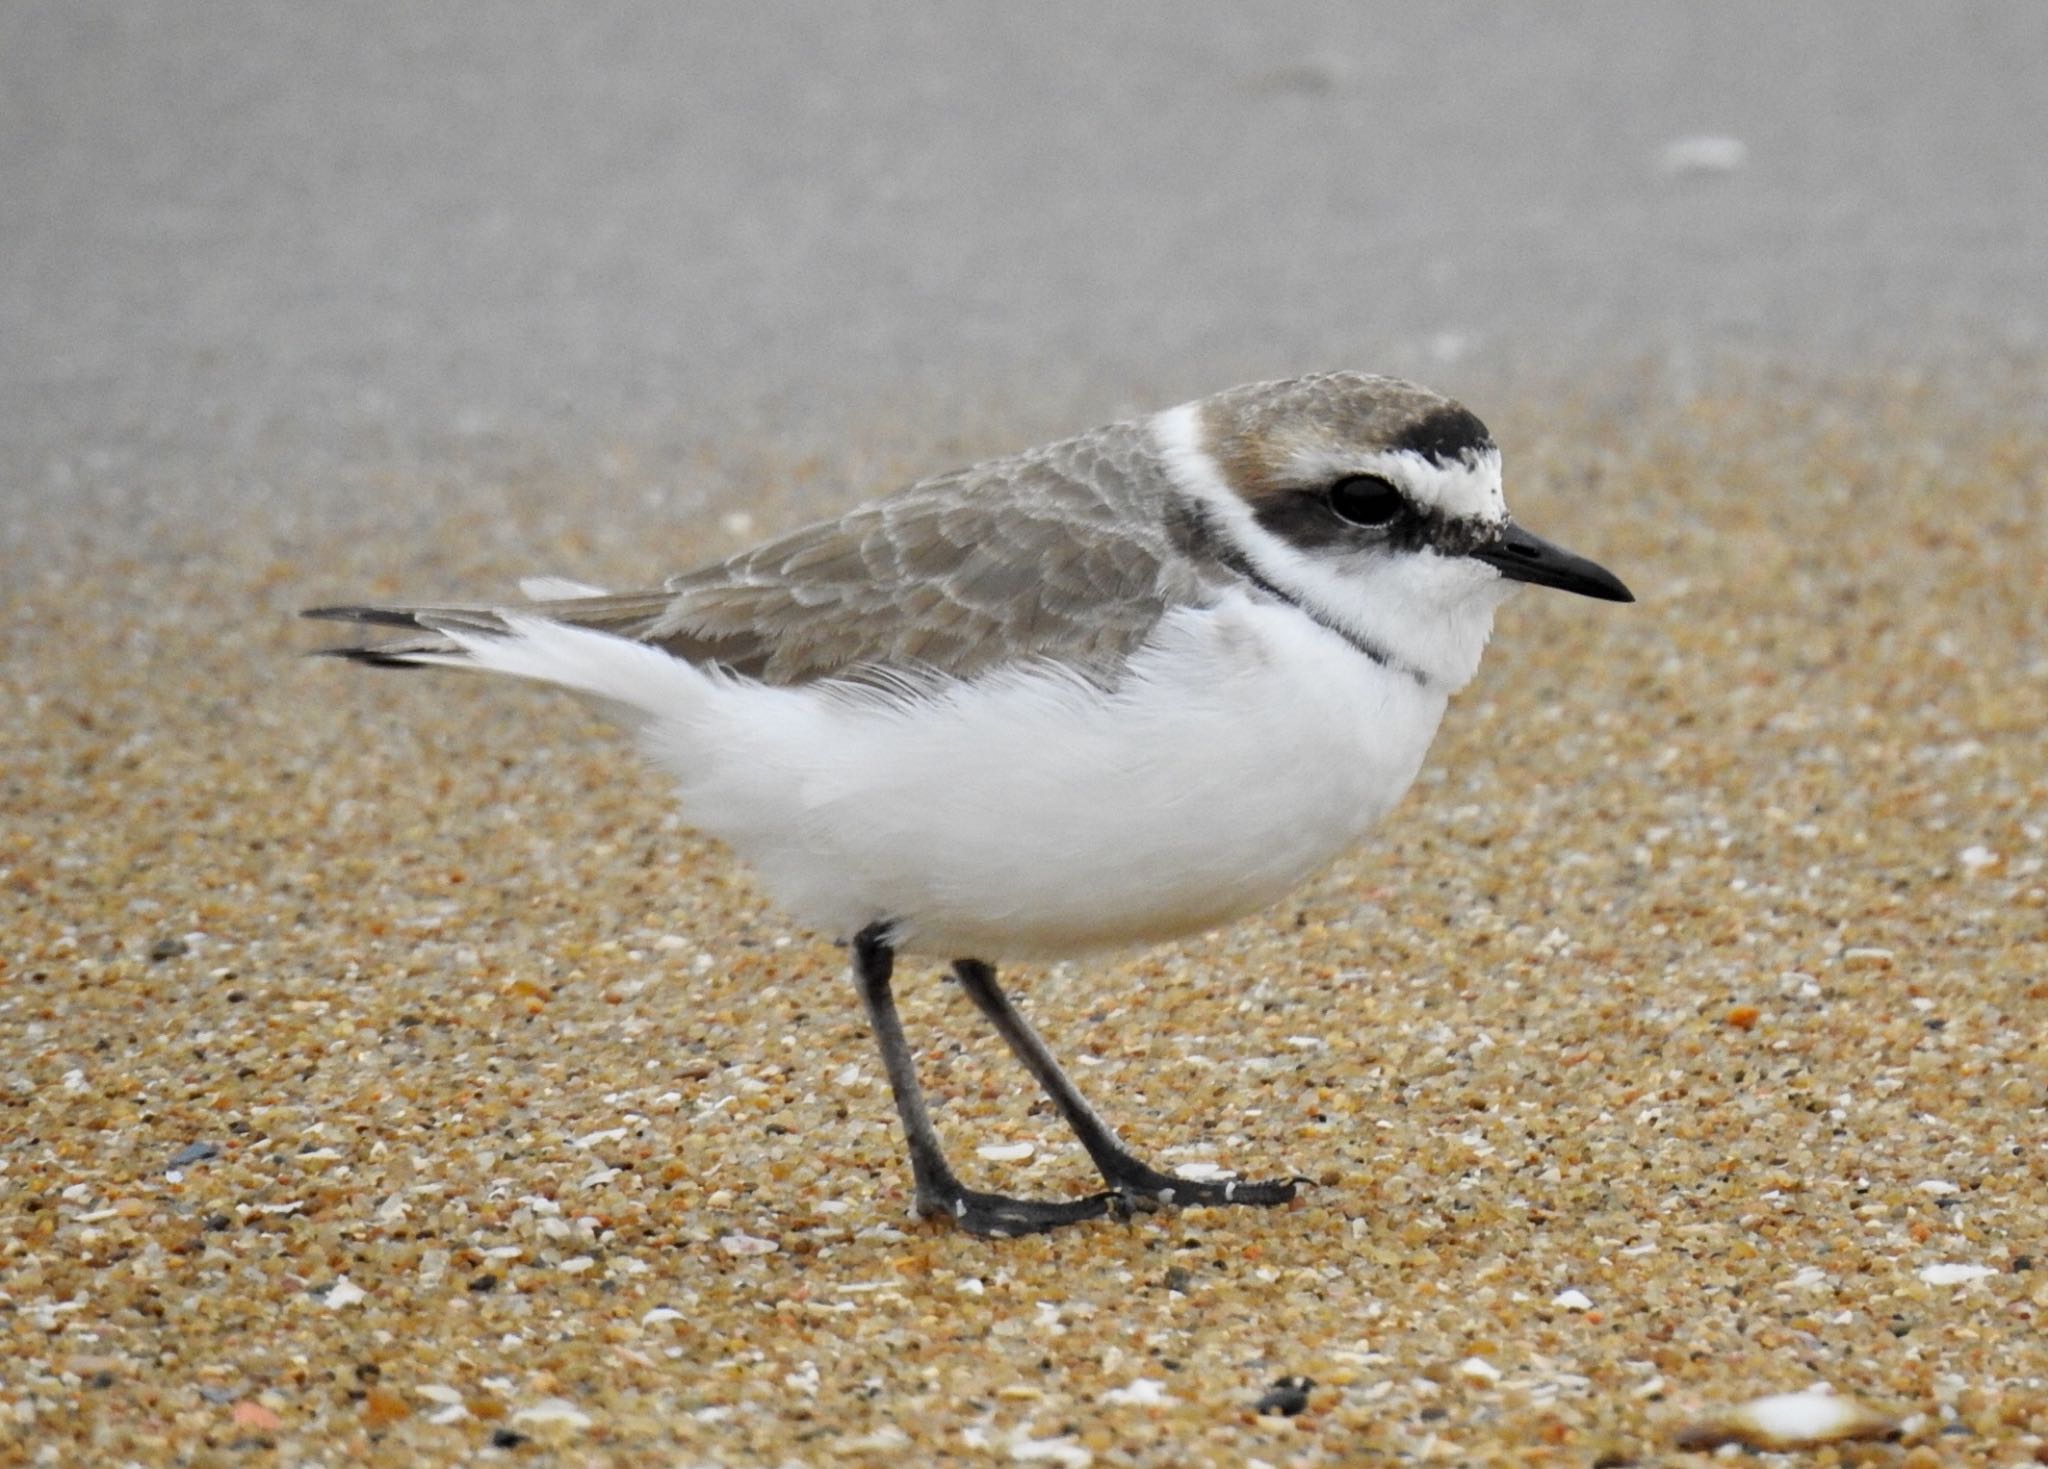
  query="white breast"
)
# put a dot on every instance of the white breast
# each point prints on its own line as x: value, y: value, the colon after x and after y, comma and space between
x: 1027, y: 814
x: 1031, y: 815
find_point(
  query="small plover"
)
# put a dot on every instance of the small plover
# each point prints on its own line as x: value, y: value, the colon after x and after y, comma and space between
x: 1118, y: 689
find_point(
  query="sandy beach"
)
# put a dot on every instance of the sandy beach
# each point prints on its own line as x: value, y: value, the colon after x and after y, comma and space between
x: 392, y: 1076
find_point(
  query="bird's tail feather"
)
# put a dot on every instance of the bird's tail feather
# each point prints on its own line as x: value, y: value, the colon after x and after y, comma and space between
x: 435, y: 631
x: 631, y: 682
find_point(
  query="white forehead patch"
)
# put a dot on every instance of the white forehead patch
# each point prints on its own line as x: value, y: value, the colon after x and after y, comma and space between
x: 1178, y: 433
x: 1463, y: 489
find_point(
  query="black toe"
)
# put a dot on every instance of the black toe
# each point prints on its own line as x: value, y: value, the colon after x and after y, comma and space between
x: 998, y: 1216
x: 1145, y: 1187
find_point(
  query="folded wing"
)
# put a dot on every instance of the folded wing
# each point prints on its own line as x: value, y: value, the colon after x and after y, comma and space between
x: 1045, y: 555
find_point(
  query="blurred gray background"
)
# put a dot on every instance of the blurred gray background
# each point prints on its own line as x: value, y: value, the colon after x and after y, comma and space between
x: 259, y: 249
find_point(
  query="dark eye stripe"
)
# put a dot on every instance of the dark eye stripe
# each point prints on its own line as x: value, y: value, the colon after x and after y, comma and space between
x: 1306, y: 520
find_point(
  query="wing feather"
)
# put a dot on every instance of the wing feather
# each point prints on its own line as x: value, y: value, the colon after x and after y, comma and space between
x: 1065, y: 552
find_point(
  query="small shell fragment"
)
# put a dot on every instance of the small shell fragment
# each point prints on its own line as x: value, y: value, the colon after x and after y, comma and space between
x: 1955, y: 1274
x: 552, y: 1412
x: 1791, y: 1420
x: 747, y: 1244
x: 1006, y: 1152
x: 1061, y: 1451
x: 1144, y: 1392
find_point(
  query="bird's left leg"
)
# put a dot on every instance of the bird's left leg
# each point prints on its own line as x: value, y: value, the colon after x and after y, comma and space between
x: 938, y: 1191
x: 1140, y: 1184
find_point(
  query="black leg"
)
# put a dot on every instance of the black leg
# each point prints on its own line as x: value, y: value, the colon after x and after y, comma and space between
x: 1139, y: 1184
x: 938, y: 1190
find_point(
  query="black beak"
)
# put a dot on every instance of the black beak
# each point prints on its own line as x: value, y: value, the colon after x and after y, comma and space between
x: 1525, y: 557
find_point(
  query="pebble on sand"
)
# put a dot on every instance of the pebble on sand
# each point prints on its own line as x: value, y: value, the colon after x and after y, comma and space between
x: 1286, y: 1398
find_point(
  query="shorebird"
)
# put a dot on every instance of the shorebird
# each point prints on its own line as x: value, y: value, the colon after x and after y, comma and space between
x: 1118, y: 689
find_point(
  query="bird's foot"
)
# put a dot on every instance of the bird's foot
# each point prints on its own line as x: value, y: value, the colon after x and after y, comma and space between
x: 1134, y: 1188
x: 1143, y: 1187
x: 998, y: 1216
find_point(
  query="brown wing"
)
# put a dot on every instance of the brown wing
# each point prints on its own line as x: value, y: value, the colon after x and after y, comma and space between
x: 1032, y: 557
x: 1060, y: 552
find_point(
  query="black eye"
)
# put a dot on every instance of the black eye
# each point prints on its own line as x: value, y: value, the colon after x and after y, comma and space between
x: 1366, y: 499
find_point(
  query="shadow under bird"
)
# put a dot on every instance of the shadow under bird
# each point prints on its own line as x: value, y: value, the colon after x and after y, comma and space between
x: 1113, y: 690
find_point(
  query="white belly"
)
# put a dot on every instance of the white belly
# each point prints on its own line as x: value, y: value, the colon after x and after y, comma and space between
x: 1028, y: 815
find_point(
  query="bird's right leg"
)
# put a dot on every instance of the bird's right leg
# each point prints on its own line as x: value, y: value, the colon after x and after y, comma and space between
x: 938, y: 1190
